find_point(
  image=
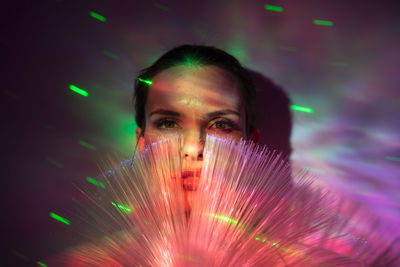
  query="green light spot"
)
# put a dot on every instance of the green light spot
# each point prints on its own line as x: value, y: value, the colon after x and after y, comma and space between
x: 224, y: 218
x: 190, y: 61
x: 59, y: 218
x: 122, y: 208
x: 110, y: 55
x: 323, y: 22
x: 145, y: 81
x: 264, y: 240
x: 54, y: 162
x: 257, y: 238
x: 93, y: 181
x: 78, y: 90
x: 302, y: 109
x: 41, y: 264
x: 87, y: 145
x: 393, y: 158
x: 237, y: 50
x: 273, y: 8
x: 274, y: 244
x: 97, y: 16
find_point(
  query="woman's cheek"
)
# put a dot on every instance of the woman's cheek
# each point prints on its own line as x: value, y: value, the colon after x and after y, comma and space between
x: 155, y: 135
x: 234, y: 135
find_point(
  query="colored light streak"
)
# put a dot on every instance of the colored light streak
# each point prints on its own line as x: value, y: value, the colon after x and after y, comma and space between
x: 54, y: 162
x: 302, y: 109
x: 323, y: 22
x: 230, y: 220
x: 263, y: 241
x: 110, y: 55
x: 78, y: 90
x: 122, y: 208
x: 87, y: 145
x: 97, y: 16
x: 145, y: 81
x: 93, y: 181
x: 41, y: 264
x: 59, y: 218
x: 393, y: 158
x: 224, y: 218
x: 273, y: 8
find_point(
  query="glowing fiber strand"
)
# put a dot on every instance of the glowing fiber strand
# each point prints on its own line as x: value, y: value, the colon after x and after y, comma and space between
x: 121, y: 207
x: 225, y: 218
x: 296, y: 225
x: 97, y: 183
x: 41, y: 263
x: 302, y: 109
x: 97, y: 16
x: 87, y: 145
x: 78, y: 90
x: 54, y: 162
x: 323, y: 22
x: 59, y: 218
x: 110, y: 55
x: 145, y: 81
x: 273, y: 8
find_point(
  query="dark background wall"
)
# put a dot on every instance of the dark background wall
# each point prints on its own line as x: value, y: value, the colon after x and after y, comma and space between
x: 347, y: 73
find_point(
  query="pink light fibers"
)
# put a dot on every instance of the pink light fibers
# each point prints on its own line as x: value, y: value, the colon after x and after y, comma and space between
x: 246, y: 212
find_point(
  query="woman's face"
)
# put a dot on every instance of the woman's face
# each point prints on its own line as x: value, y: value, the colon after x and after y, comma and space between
x: 193, y: 102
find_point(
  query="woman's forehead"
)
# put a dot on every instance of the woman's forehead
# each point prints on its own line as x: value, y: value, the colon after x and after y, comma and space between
x: 207, y: 87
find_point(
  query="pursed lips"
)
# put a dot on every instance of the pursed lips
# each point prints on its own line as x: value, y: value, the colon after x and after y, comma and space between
x: 190, y: 179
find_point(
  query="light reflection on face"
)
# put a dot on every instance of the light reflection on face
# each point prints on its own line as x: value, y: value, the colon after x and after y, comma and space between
x: 193, y: 102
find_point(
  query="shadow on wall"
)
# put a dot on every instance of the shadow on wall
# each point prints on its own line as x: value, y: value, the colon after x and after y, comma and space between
x: 273, y: 116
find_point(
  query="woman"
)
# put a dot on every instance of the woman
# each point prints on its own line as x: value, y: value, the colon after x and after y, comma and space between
x: 190, y: 91
x: 194, y: 91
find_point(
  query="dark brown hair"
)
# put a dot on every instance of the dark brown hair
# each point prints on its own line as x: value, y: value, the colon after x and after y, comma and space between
x: 271, y: 103
x: 195, y: 55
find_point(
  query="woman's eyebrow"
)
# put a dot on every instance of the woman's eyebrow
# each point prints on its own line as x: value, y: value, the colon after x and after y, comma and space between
x: 222, y: 112
x: 165, y: 112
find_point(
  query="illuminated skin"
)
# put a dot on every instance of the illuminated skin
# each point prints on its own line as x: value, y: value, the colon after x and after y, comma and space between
x: 193, y: 101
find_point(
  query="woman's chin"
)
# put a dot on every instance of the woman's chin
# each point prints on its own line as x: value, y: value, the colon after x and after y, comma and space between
x: 190, y: 184
x: 189, y: 198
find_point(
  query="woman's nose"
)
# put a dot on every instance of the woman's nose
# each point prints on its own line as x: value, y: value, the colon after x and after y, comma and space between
x: 193, y: 144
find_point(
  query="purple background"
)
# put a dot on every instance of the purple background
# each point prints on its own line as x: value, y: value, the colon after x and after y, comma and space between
x: 348, y: 73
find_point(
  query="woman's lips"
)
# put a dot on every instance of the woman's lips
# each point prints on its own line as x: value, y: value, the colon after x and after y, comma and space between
x: 190, y: 179
x: 191, y: 173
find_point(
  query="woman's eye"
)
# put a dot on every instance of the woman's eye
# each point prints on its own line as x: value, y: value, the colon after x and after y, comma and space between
x: 166, y: 124
x: 223, y: 125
